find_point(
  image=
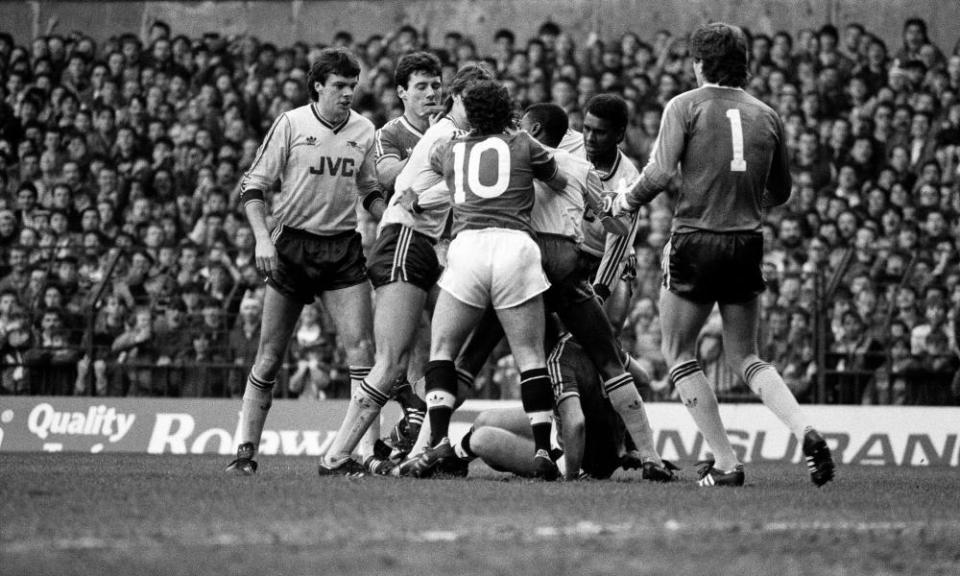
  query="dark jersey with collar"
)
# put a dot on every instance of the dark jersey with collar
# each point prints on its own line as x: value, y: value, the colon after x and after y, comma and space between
x: 491, y: 178
x: 396, y: 140
x: 731, y: 151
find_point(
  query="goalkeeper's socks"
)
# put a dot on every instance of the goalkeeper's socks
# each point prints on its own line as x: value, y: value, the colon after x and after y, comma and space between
x: 766, y: 383
x: 536, y: 394
x: 698, y: 396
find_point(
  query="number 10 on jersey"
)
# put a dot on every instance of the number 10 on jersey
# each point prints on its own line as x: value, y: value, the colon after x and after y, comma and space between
x: 738, y: 164
x: 473, y: 161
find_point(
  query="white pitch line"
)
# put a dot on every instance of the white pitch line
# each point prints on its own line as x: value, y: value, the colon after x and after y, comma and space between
x: 581, y: 530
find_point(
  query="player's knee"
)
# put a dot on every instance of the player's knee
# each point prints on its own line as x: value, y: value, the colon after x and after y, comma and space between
x: 482, y: 440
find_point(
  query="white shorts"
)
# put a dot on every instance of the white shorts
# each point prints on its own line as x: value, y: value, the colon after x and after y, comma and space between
x: 494, y: 266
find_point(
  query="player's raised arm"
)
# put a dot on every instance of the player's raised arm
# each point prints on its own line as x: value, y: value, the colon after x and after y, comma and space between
x: 779, y: 181
x: 662, y: 165
x: 545, y: 166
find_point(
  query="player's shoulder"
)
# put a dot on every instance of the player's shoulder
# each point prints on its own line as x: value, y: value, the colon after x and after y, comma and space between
x: 572, y: 142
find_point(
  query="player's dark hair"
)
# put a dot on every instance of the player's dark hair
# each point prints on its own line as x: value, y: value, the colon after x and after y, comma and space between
x: 552, y: 119
x: 488, y: 107
x: 464, y: 79
x: 422, y: 62
x: 610, y: 108
x: 331, y: 61
x: 722, y: 48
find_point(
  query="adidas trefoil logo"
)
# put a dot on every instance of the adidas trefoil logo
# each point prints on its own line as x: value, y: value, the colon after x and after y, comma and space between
x: 312, y: 140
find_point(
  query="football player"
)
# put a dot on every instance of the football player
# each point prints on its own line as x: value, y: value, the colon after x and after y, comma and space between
x: 732, y: 152
x: 323, y: 155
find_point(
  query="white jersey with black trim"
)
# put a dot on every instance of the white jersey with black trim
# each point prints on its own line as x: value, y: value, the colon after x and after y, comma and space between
x: 616, y: 248
x: 322, y: 169
x: 418, y: 175
x: 561, y: 213
x: 622, y: 173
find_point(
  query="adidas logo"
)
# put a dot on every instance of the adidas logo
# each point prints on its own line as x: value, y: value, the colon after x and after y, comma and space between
x: 311, y: 140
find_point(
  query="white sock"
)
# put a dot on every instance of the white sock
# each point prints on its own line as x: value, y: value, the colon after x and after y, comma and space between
x: 701, y: 402
x: 363, y: 410
x: 257, y: 399
x: 766, y: 383
x: 626, y: 400
x: 365, y: 447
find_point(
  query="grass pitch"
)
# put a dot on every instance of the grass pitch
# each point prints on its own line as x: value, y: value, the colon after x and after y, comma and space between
x: 131, y: 514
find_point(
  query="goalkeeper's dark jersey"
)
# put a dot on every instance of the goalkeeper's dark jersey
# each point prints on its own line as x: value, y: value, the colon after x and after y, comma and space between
x: 729, y: 148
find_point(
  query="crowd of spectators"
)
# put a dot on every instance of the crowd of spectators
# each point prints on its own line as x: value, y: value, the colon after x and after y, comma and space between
x: 120, y: 160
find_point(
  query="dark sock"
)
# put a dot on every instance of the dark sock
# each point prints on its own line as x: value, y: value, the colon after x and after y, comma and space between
x: 441, y: 386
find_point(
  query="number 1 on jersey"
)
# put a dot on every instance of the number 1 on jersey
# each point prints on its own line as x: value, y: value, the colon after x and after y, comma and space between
x: 738, y: 164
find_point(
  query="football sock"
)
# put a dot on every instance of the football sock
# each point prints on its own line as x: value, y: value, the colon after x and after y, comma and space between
x: 413, y: 406
x: 462, y: 448
x: 766, y: 383
x: 701, y: 402
x: 464, y: 380
x: 626, y: 400
x: 536, y: 394
x: 357, y: 375
x: 364, y: 408
x: 441, y: 388
x: 257, y: 399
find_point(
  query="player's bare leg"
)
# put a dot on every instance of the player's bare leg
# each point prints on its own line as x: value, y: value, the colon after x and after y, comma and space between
x: 452, y: 322
x: 484, y: 337
x: 352, y: 314
x: 279, y: 318
x: 682, y: 320
x: 590, y: 327
x: 740, y: 326
x: 524, y: 327
x: 395, y: 322
x: 503, y: 440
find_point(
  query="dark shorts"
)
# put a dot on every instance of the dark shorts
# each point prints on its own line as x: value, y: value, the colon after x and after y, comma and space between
x: 589, y: 265
x: 708, y: 267
x: 574, y: 378
x: 560, y: 258
x: 310, y: 264
x: 402, y: 255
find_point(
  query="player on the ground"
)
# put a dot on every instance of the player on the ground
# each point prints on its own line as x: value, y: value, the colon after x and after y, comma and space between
x: 493, y: 261
x: 323, y: 155
x: 716, y: 246
x: 403, y: 269
x: 590, y: 436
